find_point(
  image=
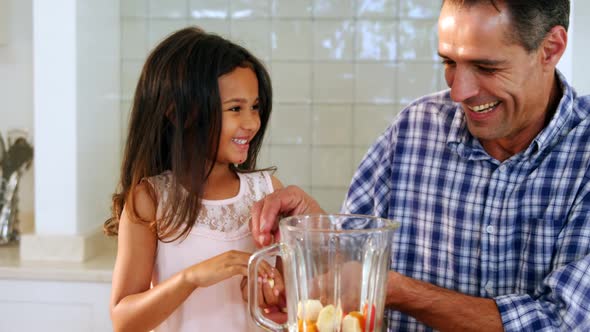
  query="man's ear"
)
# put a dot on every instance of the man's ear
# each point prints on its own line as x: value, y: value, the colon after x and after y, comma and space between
x: 553, y: 47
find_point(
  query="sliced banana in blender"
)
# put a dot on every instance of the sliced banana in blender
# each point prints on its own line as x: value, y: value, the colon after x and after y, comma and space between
x: 329, y: 319
x: 309, y: 310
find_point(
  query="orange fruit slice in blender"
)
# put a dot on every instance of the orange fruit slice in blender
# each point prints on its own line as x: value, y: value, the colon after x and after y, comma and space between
x: 309, y: 326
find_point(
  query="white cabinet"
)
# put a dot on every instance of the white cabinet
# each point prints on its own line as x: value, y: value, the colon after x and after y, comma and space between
x: 54, y: 306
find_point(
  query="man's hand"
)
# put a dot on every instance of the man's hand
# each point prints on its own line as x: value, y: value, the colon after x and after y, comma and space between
x: 287, y: 201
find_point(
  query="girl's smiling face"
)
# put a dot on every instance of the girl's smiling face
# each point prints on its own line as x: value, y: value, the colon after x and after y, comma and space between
x: 240, y: 119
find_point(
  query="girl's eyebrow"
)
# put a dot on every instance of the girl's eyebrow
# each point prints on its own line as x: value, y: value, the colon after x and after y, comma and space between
x: 238, y: 100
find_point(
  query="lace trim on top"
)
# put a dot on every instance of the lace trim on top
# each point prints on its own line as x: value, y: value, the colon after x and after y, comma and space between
x: 231, y: 215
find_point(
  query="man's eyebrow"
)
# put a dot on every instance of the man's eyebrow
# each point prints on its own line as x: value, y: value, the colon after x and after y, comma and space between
x: 485, y: 62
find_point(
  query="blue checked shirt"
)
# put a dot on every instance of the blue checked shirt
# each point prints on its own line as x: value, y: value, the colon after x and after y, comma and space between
x: 516, y: 231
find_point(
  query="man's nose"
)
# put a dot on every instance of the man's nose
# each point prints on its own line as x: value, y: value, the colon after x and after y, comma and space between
x: 464, y: 85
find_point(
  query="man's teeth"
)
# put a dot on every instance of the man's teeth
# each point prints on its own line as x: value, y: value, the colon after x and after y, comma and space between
x: 484, y: 108
x: 239, y: 141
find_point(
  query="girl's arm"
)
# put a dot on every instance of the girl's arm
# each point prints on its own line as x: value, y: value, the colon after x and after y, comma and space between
x: 134, y: 305
x: 276, y: 184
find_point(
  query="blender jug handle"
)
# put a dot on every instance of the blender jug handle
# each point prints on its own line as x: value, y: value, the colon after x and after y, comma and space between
x: 253, y: 309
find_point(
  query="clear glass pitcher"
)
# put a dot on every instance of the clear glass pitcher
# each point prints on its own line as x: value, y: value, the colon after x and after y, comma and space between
x: 335, y: 272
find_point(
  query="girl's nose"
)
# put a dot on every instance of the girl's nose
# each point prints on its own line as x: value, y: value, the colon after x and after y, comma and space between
x: 250, y: 120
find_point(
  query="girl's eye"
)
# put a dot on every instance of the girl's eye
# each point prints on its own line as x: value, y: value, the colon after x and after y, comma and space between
x: 256, y: 107
x: 234, y: 109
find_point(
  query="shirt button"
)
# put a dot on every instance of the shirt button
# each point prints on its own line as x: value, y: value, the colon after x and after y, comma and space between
x: 489, y: 289
x: 490, y: 229
x: 502, y: 168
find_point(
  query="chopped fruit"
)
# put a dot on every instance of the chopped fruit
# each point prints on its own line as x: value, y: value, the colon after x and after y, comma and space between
x: 309, y: 326
x: 309, y: 310
x: 360, y: 317
x: 329, y: 319
x: 313, y: 317
x: 271, y: 283
x: 370, y: 316
x: 351, y: 324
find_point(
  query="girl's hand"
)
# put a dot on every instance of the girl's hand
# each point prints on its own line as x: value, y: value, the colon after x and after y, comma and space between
x: 221, y: 267
x: 271, y: 288
x: 271, y: 295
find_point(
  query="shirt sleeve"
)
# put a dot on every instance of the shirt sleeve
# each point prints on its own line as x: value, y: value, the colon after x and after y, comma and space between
x: 371, y: 184
x: 562, y: 301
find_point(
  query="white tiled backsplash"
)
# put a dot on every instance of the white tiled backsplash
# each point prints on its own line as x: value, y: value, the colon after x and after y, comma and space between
x: 341, y: 71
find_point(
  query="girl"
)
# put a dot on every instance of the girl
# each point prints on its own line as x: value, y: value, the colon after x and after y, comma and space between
x: 200, y: 110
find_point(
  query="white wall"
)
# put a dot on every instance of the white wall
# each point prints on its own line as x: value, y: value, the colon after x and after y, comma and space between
x: 16, y: 85
x: 580, y: 47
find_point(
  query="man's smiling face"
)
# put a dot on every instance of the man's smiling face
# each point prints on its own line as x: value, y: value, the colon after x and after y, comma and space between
x: 499, y: 84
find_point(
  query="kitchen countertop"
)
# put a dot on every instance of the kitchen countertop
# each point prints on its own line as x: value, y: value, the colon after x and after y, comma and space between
x: 95, y: 269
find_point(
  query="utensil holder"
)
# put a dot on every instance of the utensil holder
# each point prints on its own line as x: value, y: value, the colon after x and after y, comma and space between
x: 9, y: 230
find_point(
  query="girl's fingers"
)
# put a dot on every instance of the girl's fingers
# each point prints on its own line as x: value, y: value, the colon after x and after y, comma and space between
x: 279, y: 282
x: 268, y: 291
x: 264, y: 269
x: 261, y: 302
x: 244, y: 288
x: 276, y: 315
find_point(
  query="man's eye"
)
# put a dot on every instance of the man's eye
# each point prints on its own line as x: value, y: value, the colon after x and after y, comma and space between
x: 447, y: 62
x: 487, y: 70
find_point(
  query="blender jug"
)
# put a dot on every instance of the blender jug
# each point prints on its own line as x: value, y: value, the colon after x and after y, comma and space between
x: 335, y: 273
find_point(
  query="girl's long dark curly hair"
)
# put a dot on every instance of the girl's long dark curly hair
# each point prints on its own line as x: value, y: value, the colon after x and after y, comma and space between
x: 175, y: 124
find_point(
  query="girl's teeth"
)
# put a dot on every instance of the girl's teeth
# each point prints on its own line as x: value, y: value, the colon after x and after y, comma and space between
x: 240, y: 141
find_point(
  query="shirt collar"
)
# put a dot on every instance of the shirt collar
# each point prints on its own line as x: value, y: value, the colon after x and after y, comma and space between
x: 467, y: 146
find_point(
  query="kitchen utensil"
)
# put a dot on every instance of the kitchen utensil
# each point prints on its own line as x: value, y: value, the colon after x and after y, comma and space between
x: 8, y: 227
x: 2, y: 154
x: 2, y: 149
x: 334, y: 265
x: 18, y: 156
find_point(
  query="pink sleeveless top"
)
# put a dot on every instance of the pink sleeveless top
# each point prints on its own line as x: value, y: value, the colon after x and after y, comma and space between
x: 222, y: 225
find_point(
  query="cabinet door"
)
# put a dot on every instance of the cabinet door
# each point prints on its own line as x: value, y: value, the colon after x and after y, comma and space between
x: 51, y: 306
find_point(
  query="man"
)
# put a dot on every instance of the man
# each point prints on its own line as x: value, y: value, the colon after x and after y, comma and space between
x: 490, y: 181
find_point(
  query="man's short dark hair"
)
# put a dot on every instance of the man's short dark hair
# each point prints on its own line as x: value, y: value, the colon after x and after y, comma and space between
x: 531, y: 19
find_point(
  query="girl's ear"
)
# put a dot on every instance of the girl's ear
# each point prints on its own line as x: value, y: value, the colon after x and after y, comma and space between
x: 171, y: 115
